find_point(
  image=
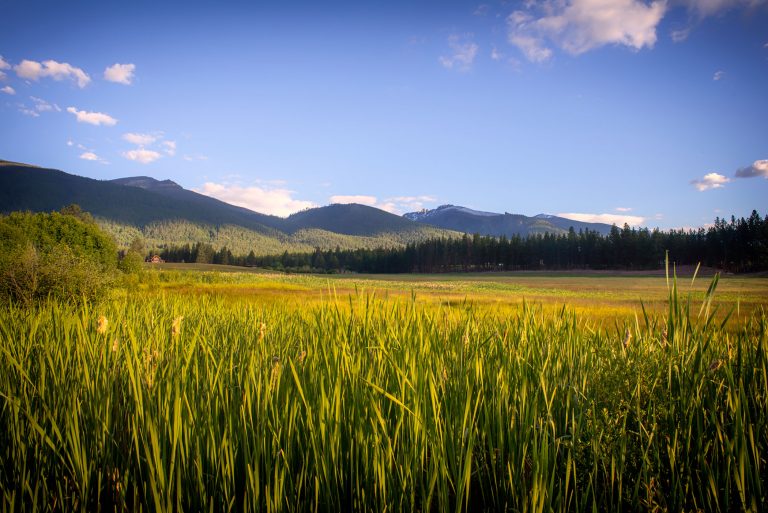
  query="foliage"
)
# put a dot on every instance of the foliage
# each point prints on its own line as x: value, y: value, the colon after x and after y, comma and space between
x: 741, y: 246
x: 166, y: 402
x: 65, y: 256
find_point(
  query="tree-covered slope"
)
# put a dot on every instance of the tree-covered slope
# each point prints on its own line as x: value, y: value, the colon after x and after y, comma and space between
x: 165, y: 214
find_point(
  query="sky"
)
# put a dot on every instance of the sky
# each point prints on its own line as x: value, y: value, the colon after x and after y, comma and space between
x: 653, y: 113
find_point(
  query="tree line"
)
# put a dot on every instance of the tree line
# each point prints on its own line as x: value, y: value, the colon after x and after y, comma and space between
x: 738, y: 245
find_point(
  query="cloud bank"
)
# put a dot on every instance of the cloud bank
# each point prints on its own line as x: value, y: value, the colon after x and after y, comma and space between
x: 278, y: 202
x: 395, y: 205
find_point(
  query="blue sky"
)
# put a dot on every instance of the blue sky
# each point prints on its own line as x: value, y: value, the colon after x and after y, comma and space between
x: 654, y: 113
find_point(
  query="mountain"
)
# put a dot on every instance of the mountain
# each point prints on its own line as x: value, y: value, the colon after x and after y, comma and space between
x: 163, y: 212
x: 463, y: 219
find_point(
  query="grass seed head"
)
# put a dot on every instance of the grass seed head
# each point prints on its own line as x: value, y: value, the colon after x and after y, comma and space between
x: 101, y: 325
x: 302, y: 357
x: 176, y: 326
x: 262, y: 331
x: 627, y: 339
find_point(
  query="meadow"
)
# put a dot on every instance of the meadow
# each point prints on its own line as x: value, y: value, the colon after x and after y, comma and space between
x: 252, y: 391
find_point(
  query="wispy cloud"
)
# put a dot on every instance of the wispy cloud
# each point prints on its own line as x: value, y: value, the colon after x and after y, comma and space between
x: 678, y: 36
x: 43, y: 106
x: 718, y: 75
x: 577, y: 26
x: 710, y: 181
x: 92, y: 118
x: 616, y: 219
x: 8, y: 90
x: 623, y: 209
x: 33, y: 70
x: 279, y: 202
x: 3, y: 65
x: 169, y: 147
x: 120, y: 73
x: 192, y: 158
x: 463, y: 53
x: 758, y: 168
x: 141, y: 155
x: 140, y: 139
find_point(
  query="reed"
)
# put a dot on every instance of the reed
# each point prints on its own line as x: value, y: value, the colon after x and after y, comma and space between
x: 366, y: 403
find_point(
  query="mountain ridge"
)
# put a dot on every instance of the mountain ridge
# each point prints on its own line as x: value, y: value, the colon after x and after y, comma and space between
x: 467, y: 220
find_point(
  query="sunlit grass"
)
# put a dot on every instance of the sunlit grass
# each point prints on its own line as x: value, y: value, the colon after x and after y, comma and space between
x: 283, y: 393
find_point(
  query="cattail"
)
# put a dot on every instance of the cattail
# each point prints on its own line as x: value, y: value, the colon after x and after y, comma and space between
x: 262, y: 331
x: 275, y: 370
x: 176, y: 326
x: 101, y: 325
x: 627, y: 339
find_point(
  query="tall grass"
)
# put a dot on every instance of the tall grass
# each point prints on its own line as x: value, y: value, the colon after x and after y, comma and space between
x: 376, y: 404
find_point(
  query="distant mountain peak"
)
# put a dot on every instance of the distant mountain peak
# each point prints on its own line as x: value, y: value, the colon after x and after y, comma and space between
x: 445, y: 209
x: 467, y: 220
x: 147, y: 182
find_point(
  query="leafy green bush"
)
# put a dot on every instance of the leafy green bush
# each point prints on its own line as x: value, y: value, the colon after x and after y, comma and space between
x: 65, y: 256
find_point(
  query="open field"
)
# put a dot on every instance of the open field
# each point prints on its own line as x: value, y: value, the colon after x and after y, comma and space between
x: 266, y: 392
x: 601, y: 297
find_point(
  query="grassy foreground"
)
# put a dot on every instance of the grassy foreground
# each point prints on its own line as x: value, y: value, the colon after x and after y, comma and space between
x: 167, y: 401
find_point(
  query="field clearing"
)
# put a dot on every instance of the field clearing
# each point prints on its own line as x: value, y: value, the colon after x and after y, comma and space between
x: 241, y: 391
x: 604, y: 298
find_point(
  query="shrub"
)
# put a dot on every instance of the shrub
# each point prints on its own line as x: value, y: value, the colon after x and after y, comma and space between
x: 65, y: 256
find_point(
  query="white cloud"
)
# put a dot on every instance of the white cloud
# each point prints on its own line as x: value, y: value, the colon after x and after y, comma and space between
x: 33, y: 70
x: 170, y: 148
x: 616, y: 219
x: 70, y: 143
x: 710, y: 181
x: 92, y: 118
x: 140, y: 139
x: 28, y: 112
x: 89, y: 155
x: 394, y: 205
x: 8, y: 90
x: 758, y: 168
x: 3, y: 65
x: 623, y: 209
x: 578, y: 26
x: 141, y: 155
x: 678, y: 36
x: 120, y: 73
x: 277, y: 202
x: 704, y: 8
x: 462, y: 56
x: 43, y: 106
x: 496, y: 55
x: 192, y: 158
x: 718, y: 75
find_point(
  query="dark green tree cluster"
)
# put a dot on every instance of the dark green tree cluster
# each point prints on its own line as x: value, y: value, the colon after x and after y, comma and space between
x: 61, y: 254
x: 736, y: 246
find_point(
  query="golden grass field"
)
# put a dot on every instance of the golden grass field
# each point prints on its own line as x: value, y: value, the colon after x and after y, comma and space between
x: 190, y: 389
x: 604, y: 298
